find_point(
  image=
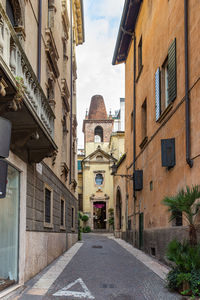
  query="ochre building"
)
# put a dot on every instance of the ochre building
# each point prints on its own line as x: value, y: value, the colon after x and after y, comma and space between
x: 159, y: 43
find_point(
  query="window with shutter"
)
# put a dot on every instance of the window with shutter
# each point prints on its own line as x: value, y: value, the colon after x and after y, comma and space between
x: 166, y: 83
x: 172, y: 71
x: 73, y: 218
x: 157, y: 94
x: 62, y: 213
x: 168, y: 153
x: 178, y: 218
x: 47, y: 206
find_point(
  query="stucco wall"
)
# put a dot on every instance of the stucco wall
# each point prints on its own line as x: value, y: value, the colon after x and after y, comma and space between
x: 159, y: 24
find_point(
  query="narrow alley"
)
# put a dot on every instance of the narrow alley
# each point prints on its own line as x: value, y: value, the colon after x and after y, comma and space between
x: 100, y: 268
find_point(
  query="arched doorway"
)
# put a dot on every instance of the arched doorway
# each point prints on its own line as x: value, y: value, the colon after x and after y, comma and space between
x: 118, y: 210
x: 99, y: 215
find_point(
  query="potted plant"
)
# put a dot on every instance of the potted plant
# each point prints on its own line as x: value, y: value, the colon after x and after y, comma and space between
x: 184, y: 276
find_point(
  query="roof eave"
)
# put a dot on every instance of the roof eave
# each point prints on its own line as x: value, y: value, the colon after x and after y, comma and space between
x: 123, y: 31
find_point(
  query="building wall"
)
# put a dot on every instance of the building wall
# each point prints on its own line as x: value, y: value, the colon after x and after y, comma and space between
x: 159, y: 24
x: 120, y: 183
x: 37, y: 233
x: 116, y: 145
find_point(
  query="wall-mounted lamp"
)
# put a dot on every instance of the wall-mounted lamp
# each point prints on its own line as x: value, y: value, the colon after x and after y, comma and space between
x: 137, y: 177
x: 114, y: 171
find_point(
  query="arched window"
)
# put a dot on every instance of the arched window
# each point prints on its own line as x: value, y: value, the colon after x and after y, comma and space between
x: 99, y: 179
x: 15, y: 12
x: 98, y: 134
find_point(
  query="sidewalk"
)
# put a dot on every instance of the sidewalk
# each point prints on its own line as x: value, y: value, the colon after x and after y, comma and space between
x: 160, y: 269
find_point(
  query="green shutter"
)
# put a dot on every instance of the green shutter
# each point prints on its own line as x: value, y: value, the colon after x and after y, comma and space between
x: 172, y: 71
x: 157, y: 94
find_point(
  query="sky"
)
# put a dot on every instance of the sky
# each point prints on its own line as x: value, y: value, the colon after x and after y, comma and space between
x: 96, y: 74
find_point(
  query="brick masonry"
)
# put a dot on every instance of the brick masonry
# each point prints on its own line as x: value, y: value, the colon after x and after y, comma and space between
x: 35, y: 201
x: 90, y: 125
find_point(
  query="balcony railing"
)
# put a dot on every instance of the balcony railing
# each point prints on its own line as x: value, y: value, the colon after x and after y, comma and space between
x: 17, y: 66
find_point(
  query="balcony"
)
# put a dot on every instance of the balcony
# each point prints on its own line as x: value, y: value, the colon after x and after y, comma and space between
x: 22, y: 99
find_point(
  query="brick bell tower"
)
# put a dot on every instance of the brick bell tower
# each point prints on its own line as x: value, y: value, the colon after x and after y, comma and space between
x: 97, y: 126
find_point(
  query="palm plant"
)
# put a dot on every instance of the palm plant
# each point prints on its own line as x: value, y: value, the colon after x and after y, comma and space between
x: 185, y: 202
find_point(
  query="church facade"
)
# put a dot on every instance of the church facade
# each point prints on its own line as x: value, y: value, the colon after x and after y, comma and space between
x: 100, y: 155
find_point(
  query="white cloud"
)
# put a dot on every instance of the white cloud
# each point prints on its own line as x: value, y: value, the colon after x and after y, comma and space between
x: 96, y: 75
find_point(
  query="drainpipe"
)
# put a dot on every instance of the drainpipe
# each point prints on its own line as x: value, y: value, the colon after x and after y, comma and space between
x: 71, y: 90
x: 134, y: 128
x: 134, y: 107
x: 187, y: 100
x: 39, y: 39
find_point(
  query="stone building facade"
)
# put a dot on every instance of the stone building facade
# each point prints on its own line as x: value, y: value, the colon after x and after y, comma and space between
x: 159, y: 43
x: 38, y: 96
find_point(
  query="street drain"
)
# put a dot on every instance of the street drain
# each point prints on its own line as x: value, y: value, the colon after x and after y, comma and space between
x: 97, y: 246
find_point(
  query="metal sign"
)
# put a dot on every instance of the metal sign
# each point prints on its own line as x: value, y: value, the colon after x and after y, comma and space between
x: 3, y: 177
x: 65, y: 291
x: 5, y: 134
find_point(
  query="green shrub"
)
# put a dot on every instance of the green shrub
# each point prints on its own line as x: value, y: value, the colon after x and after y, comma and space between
x: 185, y: 256
x: 172, y: 279
x: 111, y: 216
x: 176, y: 280
x: 185, y: 277
x: 79, y: 226
x: 87, y: 229
x: 85, y: 218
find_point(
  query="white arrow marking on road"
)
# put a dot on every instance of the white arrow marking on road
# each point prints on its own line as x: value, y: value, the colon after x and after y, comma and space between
x: 65, y: 291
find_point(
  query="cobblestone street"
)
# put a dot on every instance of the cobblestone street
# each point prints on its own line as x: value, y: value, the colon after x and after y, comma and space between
x: 100, y: 268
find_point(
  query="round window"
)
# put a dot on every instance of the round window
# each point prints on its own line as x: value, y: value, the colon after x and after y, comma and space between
x: 99, y: 179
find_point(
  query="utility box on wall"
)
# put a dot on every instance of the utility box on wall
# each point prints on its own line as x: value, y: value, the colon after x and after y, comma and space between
x: 138, y: 180
x: 168, y: 153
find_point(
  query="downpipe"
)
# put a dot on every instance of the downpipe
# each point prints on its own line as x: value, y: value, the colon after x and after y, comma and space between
x: 187, y: 100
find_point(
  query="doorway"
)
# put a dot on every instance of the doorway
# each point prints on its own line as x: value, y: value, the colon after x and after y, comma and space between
x: 99, y: 215
x: 141, y: 227
x: 119, y: 210
x: 9, y: 231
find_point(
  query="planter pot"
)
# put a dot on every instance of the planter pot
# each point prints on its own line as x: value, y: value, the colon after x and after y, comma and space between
x: 185, y: 286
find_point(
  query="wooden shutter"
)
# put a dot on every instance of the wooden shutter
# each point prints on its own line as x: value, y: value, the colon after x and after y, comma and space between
x: 157, y: 94
x: 172, y: 71
x: 168, y: 153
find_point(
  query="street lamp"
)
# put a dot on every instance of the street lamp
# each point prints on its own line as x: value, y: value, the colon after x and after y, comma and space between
x: 137, y: 177
x: 114, y: 171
